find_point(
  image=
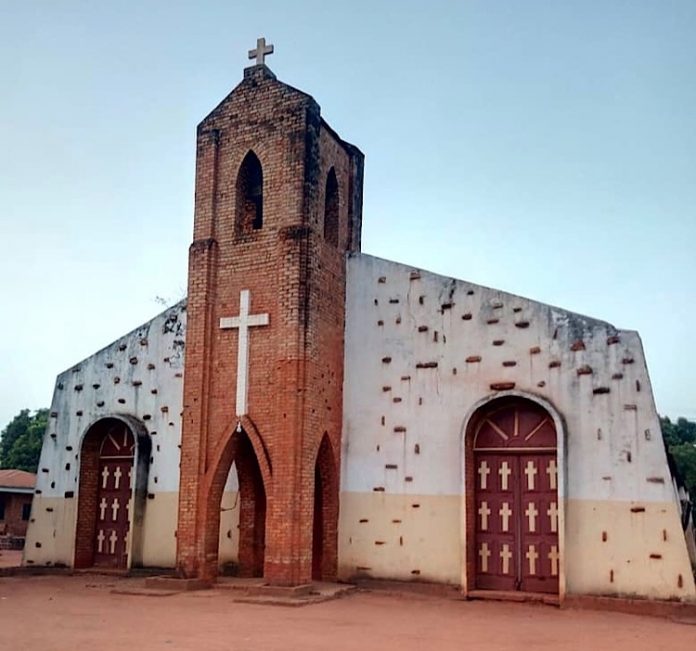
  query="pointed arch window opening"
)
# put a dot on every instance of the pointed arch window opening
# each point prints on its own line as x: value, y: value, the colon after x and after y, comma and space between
x: 331, y: 209
x: 249, y: 216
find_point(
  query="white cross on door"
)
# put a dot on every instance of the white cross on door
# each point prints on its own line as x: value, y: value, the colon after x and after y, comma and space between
x: 552, y: 512
x: 100, y: 540
x: 504, y: 471
x: 532, y: 557
x: 112, y: 542
x: 117, y: 477
x: 505, y: 512
x: 552, y: 472
x: 484, y: 512
x: 484, y: 555
x: 483, y: 472
x: 114, y: 509
x: 553, y: 559
x: 531, y: 514
x: 531, y: 471
x: 505, y: 557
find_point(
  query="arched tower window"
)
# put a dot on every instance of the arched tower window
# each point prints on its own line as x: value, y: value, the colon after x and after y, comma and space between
x: 249, y: 195
x: 331, y: 209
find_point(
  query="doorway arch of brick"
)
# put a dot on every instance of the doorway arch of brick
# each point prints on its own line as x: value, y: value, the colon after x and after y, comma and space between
x: 325, y: 519
x: 89, y: 486
x: 244, y: 447
x: 468, y: 515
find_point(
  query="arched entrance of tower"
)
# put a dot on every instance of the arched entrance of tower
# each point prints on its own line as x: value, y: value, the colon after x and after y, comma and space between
x: 241, y: 545
x: 114, y: 460
x: 512, y: 498
x: 325, y: 520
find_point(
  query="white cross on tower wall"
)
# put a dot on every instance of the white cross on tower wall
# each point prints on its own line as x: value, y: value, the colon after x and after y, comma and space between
x: 114, y: 509
x: 100, y: 539
x: 112, y: 541
x: 105, y: 476
x: 261, y: 51
x: 117, y: 477
x: 244, y: 321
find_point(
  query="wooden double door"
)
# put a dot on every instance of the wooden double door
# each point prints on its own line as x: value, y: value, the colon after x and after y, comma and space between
x: 516, y: 501
x: 114, y: 499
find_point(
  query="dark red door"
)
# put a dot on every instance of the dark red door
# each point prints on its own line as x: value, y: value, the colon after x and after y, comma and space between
x: 114, y: 499
x: 516, y: 500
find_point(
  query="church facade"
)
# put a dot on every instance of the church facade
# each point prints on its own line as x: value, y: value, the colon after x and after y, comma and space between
x: 314, y: 413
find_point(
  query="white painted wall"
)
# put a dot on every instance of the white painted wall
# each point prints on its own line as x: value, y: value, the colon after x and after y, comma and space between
x: 139, y: 376
x: 398, y: 317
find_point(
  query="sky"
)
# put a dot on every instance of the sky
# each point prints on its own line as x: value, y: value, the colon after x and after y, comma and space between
x: 543, y: 148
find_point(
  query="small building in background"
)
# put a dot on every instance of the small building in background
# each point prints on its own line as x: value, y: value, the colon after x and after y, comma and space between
x: 16, y: 492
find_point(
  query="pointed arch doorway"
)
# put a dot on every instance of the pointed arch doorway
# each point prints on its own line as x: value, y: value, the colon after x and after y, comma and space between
x: 114, y: 501
x: 114, y: 461
x: 237, y: 470
x: 325, y: 518
x: 513, y: 510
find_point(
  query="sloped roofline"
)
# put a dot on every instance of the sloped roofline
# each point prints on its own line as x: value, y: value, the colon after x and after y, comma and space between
x: 570, y: 313
x: 180, y: 304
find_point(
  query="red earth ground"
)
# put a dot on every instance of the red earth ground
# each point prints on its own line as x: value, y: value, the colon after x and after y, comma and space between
x: 60, y: 613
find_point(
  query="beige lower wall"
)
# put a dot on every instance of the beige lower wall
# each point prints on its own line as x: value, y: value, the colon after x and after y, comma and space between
x: 159, y: 530
x: 50, y: 538
x: 387, y: 536
x: 229, y: 528
x: 383, y: 536
x: 632, y: 537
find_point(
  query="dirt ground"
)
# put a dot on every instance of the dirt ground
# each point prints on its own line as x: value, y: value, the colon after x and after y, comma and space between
x: 54, y: 613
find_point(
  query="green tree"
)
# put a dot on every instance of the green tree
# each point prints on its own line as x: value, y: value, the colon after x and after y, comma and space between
x: 20, y: 441
x: 680, y: 438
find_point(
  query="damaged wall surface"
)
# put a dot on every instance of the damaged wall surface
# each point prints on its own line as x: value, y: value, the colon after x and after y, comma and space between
x: 422, y: 352
x: 138, y: 379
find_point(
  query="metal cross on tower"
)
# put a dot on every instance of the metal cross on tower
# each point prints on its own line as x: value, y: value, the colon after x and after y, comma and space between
x: 261, y: 51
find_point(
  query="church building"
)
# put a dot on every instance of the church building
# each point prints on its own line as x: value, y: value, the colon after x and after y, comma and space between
x: 310, y: 412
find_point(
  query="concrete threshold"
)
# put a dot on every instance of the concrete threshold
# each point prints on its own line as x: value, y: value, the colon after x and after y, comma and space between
x: 255, y: 591
x: 521, y: 597
x: 242, y: 590
x: 175, y: 584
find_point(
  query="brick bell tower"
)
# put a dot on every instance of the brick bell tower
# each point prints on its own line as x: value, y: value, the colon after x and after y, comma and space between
x: 278, y: 205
